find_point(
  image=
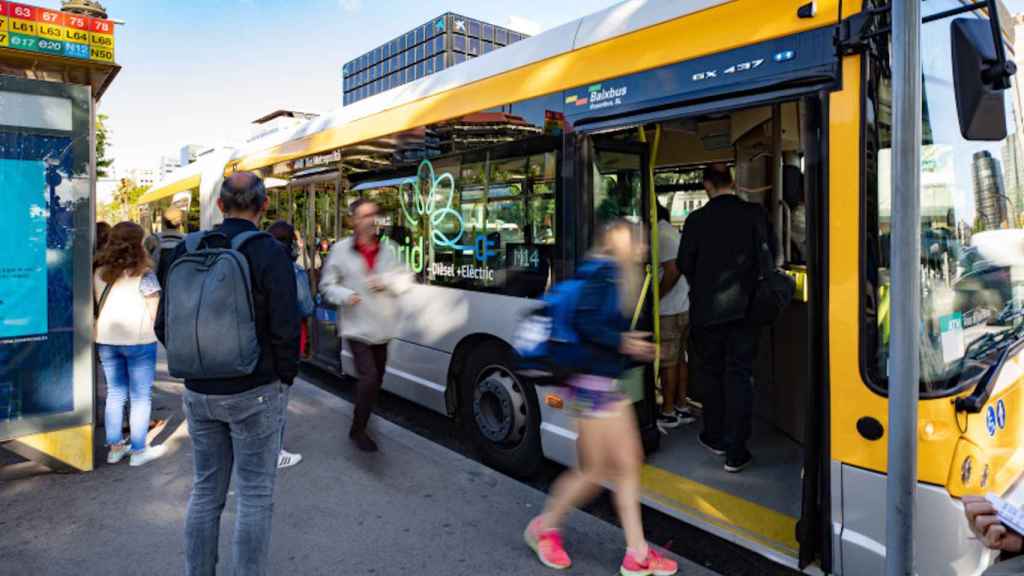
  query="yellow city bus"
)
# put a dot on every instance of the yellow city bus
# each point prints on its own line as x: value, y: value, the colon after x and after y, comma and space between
x: 492, y: 174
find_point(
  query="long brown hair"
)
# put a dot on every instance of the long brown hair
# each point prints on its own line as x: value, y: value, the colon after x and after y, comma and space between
x: 123, y: 253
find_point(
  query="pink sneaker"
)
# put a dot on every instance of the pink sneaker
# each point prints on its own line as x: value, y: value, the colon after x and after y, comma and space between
x: 653, y: 565
x: 548, y: 545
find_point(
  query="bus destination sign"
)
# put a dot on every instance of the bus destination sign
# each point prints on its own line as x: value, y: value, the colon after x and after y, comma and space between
x: 34, y: 29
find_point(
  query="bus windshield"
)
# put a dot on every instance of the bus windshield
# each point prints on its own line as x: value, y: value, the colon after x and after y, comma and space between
x: 972, y: 219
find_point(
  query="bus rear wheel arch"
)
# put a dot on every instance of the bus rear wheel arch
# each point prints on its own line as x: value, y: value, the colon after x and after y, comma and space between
x: 499, y: 411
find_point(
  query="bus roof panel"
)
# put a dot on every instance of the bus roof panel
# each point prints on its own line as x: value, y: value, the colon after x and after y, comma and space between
x: 626, y: 17
x: 586, y: 50
x: 184, y: 178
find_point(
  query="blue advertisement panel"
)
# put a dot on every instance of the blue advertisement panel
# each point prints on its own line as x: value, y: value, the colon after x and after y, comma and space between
x: 23, y: 271
x: 37, y: 268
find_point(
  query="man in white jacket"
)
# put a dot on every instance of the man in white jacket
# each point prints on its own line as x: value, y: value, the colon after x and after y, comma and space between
x: 364, y: 277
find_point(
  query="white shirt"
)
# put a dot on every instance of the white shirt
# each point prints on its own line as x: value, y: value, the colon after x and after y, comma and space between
x: 677, y: 301
x: 125, y: 319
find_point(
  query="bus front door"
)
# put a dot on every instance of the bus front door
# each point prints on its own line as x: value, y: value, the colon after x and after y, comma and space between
x: 615, y: 178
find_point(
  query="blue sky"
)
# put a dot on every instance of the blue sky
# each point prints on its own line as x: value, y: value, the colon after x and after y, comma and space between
x: 199, y: 71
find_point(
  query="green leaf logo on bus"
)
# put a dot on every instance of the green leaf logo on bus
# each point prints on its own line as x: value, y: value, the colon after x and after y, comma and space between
x: 427, y: 198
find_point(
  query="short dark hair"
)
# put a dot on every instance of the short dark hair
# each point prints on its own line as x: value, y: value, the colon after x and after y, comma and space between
x: 102, y: 235
x: 357, y: 204
x: 283, y: 232
x: 243, y: 192
x: 718, y: 176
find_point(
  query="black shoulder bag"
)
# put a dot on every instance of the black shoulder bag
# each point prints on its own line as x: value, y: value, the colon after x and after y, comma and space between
x: 774, y: 288
x: 98, y: 306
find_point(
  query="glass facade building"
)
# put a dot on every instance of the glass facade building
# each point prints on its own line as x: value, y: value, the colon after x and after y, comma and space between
x: 445, y: 41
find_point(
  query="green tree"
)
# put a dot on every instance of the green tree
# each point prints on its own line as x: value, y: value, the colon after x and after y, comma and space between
x: 124, y: 206
x: 103, y: 163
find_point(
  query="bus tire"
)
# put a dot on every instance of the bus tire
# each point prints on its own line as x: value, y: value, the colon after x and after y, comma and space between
x: 500, y: 412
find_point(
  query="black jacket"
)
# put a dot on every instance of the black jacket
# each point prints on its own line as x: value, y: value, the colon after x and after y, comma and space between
x: 277, y: 315
x: 718, y: 256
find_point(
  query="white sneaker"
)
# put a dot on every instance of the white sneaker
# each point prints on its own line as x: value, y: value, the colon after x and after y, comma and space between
x: 286, y: 459
x: 148, y: 455
x: 117, y: 453
x: 685, y: 416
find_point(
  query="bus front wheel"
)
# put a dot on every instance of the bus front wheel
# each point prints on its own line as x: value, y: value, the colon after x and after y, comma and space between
x: 500, y: 411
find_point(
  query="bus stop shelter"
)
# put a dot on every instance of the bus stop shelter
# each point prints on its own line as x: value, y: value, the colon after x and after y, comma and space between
x: 54, y: 68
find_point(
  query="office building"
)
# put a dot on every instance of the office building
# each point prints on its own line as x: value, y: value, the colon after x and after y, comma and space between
x: 989, y: 195
x: 167, y: 165
x: 190, y: 152
x: 142, y: 176
x: 445, y: 41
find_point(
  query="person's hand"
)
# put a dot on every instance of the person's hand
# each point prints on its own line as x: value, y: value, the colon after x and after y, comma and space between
x: 374, y: 283
x: 636, y: 346
x: 353, y: 300
x: 985, y: 524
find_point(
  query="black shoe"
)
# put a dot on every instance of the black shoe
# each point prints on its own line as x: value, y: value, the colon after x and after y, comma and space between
x: 363, y: 441
x: 734, y: 465
x: 712, y: 447
x: 668, y: 421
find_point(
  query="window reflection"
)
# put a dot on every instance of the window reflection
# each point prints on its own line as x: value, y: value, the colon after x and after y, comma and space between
x: 972, y: 244
x: 469, y: 203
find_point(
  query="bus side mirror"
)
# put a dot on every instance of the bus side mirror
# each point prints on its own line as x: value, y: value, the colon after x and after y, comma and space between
x: 979, y: 79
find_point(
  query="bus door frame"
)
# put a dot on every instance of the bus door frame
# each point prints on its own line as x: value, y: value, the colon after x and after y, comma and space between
x: 308, y: 231
x: 581, y: 145
x: 814, y: 527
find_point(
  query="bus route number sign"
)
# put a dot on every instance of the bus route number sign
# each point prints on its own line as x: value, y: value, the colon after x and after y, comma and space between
x: 525, y: 257
x: 35, y: 29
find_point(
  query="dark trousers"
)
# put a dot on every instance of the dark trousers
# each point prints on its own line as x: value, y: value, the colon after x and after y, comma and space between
x: 725, y: 372
x: 370, y: 361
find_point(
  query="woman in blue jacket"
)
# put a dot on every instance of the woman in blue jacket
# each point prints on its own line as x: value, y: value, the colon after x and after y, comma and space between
x: 609, y: 447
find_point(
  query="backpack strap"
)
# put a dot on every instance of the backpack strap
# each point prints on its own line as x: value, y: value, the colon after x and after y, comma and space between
x: 764, y: 261
x: 238, y: 241
x: 193, y: 240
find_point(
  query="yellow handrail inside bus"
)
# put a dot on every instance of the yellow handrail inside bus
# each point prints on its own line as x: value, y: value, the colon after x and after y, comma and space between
x: 643, y: 298
x: 655, y: 258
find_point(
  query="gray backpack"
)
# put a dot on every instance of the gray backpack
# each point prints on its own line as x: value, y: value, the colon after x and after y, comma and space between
x: 210, y: 317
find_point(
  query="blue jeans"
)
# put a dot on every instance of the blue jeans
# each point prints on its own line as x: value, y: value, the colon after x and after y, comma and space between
x: 240, y: 432
x: 130, y: 371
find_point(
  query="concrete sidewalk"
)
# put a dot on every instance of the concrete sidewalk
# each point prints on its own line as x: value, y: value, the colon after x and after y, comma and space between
x: 414, y: 508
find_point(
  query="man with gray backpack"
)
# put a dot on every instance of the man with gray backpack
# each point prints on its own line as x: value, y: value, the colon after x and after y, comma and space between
x: 228, y: 319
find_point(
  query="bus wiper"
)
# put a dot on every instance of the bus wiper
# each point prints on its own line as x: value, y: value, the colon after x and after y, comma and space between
x: 1011, y: 314
x: 1009, y: 342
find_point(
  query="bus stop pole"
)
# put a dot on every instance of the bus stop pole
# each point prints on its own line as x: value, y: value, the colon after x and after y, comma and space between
x: 904, y: 361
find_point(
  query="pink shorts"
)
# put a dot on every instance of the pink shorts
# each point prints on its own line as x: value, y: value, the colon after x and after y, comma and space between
x: 594, y: 396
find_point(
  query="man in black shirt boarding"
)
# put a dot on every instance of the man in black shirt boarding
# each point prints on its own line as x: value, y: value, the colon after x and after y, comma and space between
x: 718, y: 256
